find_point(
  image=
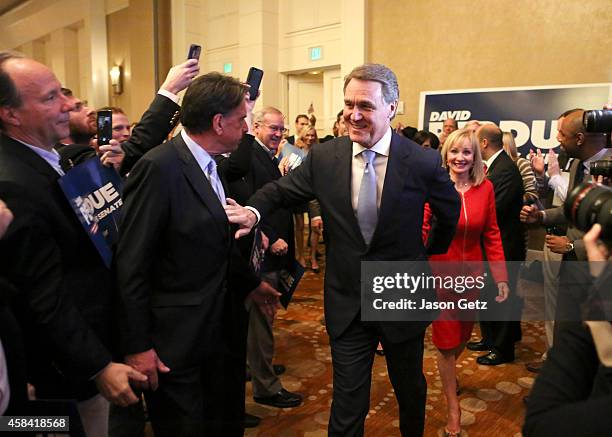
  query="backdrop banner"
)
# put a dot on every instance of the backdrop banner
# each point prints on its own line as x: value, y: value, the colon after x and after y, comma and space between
x: 529, y: 112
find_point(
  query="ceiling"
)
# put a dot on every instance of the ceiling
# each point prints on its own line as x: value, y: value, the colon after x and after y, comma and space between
x: 7, y: 5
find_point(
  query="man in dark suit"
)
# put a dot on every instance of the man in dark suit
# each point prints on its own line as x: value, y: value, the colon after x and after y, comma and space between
x: 371, y: 187
x: 268, y: 127
x: 177, y: 267
x: 64, y: 297
x: 499, y: 336
x: 301, y: 121
x: 585, y: 148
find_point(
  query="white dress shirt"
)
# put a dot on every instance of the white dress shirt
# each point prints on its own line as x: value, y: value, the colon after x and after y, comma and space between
x: 52, y: 157
x: 380, y: 167
x: 489, y: 162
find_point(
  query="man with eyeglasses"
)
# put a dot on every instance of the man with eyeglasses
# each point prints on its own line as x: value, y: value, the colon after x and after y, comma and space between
x: 268, y: 127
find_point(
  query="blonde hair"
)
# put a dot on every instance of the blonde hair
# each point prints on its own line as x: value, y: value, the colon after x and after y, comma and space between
x: 510, y: 145
x: 477, y: 174
x: 302, y: 133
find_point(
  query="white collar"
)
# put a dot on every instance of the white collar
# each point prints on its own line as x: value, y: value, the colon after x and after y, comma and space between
x: 382, y: 147
x: 489, y: 161
x: 202, y: 157
x: 50, y: 156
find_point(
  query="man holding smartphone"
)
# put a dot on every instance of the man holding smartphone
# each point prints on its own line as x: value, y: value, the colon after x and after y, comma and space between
x: 64, y: 289
x: 156, y: 123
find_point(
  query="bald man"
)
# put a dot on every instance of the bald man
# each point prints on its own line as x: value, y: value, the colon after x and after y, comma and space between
x: 585, y: 147
x: 64, y: 289
x: 499, y: 337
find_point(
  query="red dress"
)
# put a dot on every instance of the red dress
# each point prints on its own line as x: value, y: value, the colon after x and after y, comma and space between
x: 477, y: 224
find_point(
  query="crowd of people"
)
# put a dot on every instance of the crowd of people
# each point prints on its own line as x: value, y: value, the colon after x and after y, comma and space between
x: 183, y: 317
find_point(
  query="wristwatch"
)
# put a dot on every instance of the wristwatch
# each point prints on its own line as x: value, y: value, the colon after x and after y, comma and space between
x: 569, y: 247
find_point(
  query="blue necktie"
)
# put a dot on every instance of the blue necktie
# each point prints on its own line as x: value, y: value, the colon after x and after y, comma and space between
x: 215, y: 182
x: 367, y: 210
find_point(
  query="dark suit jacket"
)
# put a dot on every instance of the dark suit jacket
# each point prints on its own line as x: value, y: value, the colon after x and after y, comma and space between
x: 64, y: 288
x: 414, y: 176
x: 152, y: 129
x: 508, y: 187
x: 556, y: 216
x: 278, y: 224
x: 175, y: 259
x: 13, y: 345
x: 573, y: 392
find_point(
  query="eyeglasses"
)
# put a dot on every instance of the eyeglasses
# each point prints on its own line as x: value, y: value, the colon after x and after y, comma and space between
x: 281, y: 129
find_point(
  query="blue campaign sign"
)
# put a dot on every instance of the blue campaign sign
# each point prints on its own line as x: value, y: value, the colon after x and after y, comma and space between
x: 530, y: 113
x: 94, y: 192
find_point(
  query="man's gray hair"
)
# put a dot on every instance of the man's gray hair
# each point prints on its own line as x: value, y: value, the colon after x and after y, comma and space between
x: 378, y: 73
x: 258, y: 116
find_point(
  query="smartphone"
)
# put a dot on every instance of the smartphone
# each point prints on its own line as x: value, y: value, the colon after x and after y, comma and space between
x: 105, y: 127
x: 254, y: 80
x: 194, y: 52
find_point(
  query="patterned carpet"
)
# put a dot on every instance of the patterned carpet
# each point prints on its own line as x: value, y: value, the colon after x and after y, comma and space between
x: 491, y: 397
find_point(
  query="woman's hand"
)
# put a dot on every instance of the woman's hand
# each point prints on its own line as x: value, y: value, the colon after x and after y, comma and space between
x: 502, y: 292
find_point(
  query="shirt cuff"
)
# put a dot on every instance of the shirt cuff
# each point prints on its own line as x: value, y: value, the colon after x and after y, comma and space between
x: 254, y: 211
x: 555, y: 181
x: 170, y: 95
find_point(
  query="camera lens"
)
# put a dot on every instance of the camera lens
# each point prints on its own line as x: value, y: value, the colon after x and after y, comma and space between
x: 598, y: 120
x: 601, y: 168
x: 588, y: 204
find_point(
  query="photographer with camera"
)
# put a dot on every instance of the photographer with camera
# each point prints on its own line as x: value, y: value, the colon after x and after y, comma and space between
x: 588, y: 147
x: 573, y: 393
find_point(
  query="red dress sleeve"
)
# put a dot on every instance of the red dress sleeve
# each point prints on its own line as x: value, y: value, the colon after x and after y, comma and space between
x: 491, y: 238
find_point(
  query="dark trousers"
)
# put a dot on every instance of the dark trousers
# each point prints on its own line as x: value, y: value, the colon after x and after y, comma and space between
x: 207, y: 400
x: 260, y: 346
x: 353, y: 356
x: 503, y: 334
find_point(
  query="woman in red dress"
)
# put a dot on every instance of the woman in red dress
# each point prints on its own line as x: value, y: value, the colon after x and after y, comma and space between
x: 477, y: 229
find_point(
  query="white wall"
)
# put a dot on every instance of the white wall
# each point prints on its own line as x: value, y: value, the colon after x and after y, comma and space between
x: 276, y: 35
x: 69, y: 36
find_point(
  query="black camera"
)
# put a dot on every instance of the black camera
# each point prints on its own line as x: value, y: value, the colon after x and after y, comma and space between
x: 601, y: 168
x: 591, y: 203
x: 598, y: 120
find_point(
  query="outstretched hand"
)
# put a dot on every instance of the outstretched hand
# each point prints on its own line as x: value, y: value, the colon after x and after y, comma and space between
x: 241, y: 216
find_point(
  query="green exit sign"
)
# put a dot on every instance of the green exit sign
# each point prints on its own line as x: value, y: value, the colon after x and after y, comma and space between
x: 227, y: 67
x: 316, y: 53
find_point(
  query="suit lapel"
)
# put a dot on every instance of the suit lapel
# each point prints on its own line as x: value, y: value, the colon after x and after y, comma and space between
x: 24, y: 154
x: 264, y: 158
x: 342, y: 175
x: 393, y: 185
x: 196, y: 178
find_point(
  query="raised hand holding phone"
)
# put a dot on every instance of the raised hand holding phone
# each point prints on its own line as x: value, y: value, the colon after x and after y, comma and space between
x: 254, y: 81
